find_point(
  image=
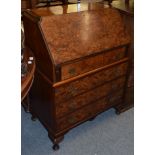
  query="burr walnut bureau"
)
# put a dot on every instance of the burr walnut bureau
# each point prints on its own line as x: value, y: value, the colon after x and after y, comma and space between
x: 81, y: 64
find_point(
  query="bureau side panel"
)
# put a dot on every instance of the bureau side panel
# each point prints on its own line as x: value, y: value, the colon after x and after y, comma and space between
x: 42, y: 102
x: 34, y: 39
x: 129, y: 95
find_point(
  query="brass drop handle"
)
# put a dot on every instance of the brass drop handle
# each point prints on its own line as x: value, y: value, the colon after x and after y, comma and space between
x: 72, y: 71
x: 105, y: 100
x: 117, y: 72
x: 72, y: 105
x: 113, y: 87
x: 119, y: 56
x: 72, y: 120
x: 108, y: 99
x: 90, y: 113
x: 72, y: 90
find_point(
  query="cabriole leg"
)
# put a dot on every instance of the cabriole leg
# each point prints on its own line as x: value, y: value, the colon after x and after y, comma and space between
x: 33, y: 117
x: 56, y: 147
x: 56, y: 141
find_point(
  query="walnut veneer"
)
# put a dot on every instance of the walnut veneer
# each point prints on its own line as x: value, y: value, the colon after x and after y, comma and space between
x: 82, y: 64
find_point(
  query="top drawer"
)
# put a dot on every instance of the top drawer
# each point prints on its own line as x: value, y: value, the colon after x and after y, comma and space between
x: 91, y: 63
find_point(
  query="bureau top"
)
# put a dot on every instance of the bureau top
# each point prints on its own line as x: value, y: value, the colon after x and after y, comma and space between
x: 74, y: 35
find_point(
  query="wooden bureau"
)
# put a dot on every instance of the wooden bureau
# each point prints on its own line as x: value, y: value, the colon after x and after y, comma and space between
x: 82, y: 63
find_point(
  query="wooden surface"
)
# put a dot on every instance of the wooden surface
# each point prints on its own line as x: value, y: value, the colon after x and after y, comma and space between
x: 100, y: 60
x: 64, y: 36
x: 64, y: 33
x: 26, y: 81
x: 59, y: 98
x: 89, y: 29
x: 75, y: 87
x: 79, y: 100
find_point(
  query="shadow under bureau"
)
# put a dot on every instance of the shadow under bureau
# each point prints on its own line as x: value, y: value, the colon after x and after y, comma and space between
x: 82, y: 64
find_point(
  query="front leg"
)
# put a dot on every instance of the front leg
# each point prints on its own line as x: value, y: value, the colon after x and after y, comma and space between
x: 122, y: 108
x: 33, y: 117
x: 56, y: 141
x: 56, y: 147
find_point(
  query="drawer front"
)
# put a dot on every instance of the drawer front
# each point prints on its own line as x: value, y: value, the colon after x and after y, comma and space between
x: 91, y: 96
x: 82, y: 85
x: 88, y: 64
x: 90, y: 110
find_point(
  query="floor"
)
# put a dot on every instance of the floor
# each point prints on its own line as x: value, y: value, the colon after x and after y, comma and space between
x: 108, y: 134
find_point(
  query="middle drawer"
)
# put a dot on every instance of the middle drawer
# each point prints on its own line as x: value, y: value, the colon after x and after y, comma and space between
x: 79, y: 101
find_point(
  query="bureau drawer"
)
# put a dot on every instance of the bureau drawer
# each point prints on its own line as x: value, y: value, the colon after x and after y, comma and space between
x: 67, y: 91
x: 89, y: 111
x: 91, y: 96
x: 91, y: 63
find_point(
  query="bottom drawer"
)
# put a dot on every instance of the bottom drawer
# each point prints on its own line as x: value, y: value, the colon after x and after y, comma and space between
x: 90, y: 110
